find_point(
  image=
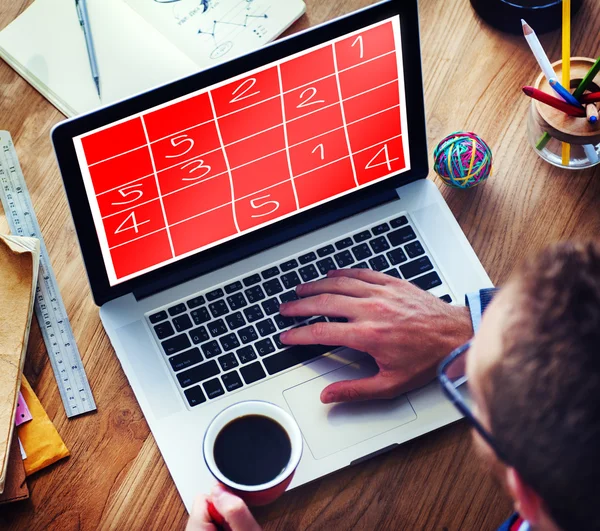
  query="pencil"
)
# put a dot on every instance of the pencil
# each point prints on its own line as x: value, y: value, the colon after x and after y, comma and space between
x: 566, y: 67
x: 592, y: 113
x: 546, y: 98
x: 564, y: 93
x: 592, y: 97
x: 589, y: 77
x: 538, y: 51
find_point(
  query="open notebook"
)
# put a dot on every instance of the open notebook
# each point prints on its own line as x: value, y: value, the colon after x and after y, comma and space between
x: 140, y: 44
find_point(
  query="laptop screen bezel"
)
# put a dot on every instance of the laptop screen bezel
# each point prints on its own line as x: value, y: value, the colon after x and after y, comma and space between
x: 257, y: 241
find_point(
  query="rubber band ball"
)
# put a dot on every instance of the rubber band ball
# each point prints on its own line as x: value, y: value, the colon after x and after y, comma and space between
x: 463, y: 160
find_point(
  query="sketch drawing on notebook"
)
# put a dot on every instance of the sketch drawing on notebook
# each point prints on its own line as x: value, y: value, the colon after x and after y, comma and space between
x: 213, y: 30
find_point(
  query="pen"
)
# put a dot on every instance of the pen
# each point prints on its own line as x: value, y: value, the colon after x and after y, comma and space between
x: 84, y: 20
x: 564, y: 93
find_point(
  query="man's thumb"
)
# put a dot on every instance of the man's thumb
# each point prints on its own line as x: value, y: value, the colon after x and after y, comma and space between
x: 355, y: 390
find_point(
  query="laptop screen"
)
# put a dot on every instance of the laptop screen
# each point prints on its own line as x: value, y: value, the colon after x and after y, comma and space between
x: 209, y: 167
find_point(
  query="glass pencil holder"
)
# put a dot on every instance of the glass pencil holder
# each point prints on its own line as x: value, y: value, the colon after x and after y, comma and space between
x: 549, y: 129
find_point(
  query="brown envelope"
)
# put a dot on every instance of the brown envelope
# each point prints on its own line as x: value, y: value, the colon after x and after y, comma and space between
x: 15, y: 488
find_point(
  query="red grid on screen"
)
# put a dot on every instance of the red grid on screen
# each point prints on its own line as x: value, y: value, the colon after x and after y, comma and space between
x: 175, y: 180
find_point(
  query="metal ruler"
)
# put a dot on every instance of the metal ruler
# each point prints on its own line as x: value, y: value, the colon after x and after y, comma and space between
x: 49, y: 307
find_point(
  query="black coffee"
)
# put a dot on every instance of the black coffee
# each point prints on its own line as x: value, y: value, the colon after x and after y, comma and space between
x: 252, y: 450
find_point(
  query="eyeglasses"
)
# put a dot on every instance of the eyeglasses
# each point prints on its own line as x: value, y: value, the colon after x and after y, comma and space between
x: 452, y: 376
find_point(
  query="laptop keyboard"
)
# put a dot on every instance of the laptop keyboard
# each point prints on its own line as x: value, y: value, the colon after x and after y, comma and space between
x: 226, y: 338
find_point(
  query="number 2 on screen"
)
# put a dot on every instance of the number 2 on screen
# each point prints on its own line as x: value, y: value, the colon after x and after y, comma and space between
x: 312, y: 92
x: 387, y: 162
x: 243, y: 90
x: 134, y: 224
x: 254, y: 203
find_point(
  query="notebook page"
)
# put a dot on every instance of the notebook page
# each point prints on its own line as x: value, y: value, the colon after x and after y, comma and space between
x: 46, y: 45
x: 213, y: 31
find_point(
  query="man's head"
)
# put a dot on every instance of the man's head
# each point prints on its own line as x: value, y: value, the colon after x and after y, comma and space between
x: 534, y: 373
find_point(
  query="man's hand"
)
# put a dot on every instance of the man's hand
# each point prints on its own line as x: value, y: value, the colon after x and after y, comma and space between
x: 235, y: 512
x: 407, y: 331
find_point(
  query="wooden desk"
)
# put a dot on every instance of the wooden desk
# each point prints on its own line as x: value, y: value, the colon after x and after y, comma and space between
x: 116, y: 477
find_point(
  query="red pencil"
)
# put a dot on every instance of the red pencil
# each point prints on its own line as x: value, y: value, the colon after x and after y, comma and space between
x: 546, y: 98
x: 590, y: 98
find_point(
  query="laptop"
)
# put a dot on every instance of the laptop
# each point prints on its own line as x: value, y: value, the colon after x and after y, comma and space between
x: 200, y: 206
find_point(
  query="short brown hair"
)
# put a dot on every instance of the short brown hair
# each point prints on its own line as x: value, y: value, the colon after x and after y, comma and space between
x: 544, y: 397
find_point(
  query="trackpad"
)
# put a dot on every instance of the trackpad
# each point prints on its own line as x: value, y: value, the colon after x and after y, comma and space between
x: 329, y: 428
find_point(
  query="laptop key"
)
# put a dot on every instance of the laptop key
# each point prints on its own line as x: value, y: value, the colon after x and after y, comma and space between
x: 294, y: 356
x: 271, y: 306
x: 248, y: 334
x: 182, y: 323
x: 229, y: 342
x: 380, y: 229
x: 218, y: 308
x: 235, y: 320
x: 326, y: 265
x: 217, y: 328
x: 253, y: 372
x: 232, y: 288
x: 289, y: 265
x: 237, y: 301
x: 186, y: 359
x: 163, y: 330
x: 198, y: 374
x: 213, y: 388
x: 195, y: 396
x: 232, y: 381
x: 446, y: 298
x: 158, y: 317
x: 397, y: 256
x: 344, y: 244
x: 379, y: 263
x: 177, y: 309
x: 290, y: 280
x: 199, y: 335
x: 400, y: 236
x: 307, y: 258
x: 362, y: 251
x: 265, y: 347
x: 398, y: 222
x: 308, y: 273
x: 283, y: 322
x: 251, y: 280
x: 273, y: 287
x: 200, y: 316
x: 195, y: 302
x: 211, y: 349
x: 325, y: 251
x: 362, y: 236
x: 277, y: 340
x: 270, y: 273
x: 289, y: 296
x: 416, y: 267
x: 246, y: 354
x: 255, y: 294
x: 214, y: 295
x: 176, y: 344
x: 379, y: 245
x: 361, y: 265
x: 393, y: 273
x: 428, y: 281
x: 254, y: 313
x: 266, y: 327
x: 344, y: 259
x: 414, y: 249
x: 228, y: 362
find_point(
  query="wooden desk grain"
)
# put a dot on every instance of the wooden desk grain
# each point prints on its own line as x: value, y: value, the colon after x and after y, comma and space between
x: 116, y: 478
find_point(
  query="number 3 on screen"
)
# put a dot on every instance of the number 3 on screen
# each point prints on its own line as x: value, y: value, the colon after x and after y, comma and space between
x: 256, y: 204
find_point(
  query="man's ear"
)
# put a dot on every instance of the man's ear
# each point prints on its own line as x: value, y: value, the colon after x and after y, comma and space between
x: 527, y: 502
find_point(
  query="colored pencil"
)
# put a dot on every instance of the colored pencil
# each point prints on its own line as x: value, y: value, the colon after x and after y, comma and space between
x: 592, y: 113
x: 566, y: 69
x: 538, y: 51
x: 585, y: 82
x: 564, y: 93
x: 548, y: 99
x: 592, y: 97
x: 591, y: 154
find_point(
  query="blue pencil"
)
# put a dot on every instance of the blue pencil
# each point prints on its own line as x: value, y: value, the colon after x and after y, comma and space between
x: 564, y: 93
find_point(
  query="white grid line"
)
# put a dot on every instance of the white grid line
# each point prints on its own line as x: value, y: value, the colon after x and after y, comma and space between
x: 285, y: 135
x: 162, y: 206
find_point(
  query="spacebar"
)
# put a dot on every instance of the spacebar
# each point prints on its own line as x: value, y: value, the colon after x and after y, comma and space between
x: 293, y: 356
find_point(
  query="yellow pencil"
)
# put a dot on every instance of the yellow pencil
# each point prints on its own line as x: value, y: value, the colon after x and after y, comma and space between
x: 566, y: 66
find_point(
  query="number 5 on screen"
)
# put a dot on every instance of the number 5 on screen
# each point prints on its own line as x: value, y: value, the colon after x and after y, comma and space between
x: 257, y: 204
